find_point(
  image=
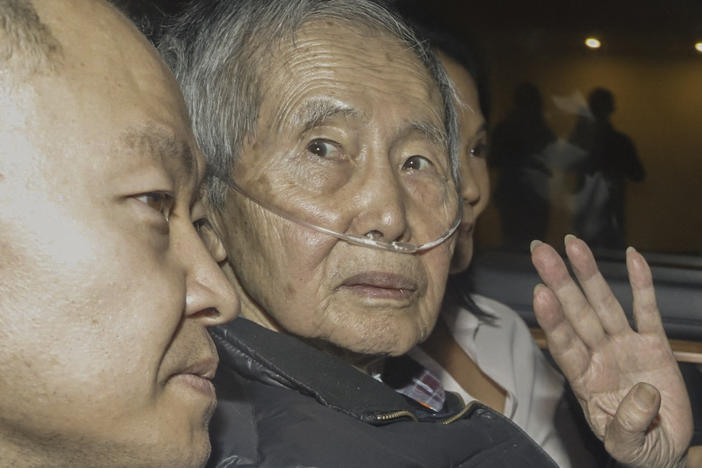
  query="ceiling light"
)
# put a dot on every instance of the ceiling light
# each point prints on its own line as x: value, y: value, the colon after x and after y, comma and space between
x: 593, y: 43
x: 698, y: 46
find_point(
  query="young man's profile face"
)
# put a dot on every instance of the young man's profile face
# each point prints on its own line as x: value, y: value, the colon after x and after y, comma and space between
x: 105, y: 287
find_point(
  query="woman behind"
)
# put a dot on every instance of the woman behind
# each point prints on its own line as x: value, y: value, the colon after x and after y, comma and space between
x: 480, y: 348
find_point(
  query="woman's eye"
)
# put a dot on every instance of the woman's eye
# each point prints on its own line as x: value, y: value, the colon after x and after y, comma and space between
x: 160, y: 201
x: 416, y: 163
x: 479, y: 150
x: 323, y: 149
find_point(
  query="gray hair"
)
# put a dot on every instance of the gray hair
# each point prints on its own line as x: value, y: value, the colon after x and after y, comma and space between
x: 27, y: 45
x: 217, y: 51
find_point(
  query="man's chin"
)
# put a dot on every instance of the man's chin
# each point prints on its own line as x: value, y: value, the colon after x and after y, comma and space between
x: 190, y: 446
x: 199, y: 451
x: 362, y: 354
x: 204, y: 454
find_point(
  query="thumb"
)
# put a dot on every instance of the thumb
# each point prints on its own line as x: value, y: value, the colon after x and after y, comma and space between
x: 625, y: 435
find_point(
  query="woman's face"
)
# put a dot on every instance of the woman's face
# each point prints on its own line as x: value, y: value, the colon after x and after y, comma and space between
x: 473, y: 149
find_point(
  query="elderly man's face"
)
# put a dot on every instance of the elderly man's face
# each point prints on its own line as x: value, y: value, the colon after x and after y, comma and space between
x: 105, y: 285
x: 345, y: 115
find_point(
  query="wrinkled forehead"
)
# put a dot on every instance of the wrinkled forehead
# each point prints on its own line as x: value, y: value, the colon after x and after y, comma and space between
x: 352, y: 66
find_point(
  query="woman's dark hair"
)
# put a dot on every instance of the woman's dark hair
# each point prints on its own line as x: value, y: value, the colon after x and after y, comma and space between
x: 458, y: 294
x: 458, y: 46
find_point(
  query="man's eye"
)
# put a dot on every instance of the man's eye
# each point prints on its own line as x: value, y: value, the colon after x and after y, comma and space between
x: 159, y: 201
x: 323, y: 149
x: 416, y: 163
x: 207, y: 234
x: 201, y: 225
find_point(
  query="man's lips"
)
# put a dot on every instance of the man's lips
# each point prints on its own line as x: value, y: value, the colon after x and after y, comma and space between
x: 198, y: 375
x: 381, y: 285
x: 205, y: 368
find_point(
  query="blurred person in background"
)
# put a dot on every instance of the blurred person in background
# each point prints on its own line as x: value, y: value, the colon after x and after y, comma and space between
x: 518, y: 152
x: 610, y: 161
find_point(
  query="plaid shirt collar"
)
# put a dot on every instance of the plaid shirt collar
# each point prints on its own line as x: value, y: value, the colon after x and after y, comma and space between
x: 408, y: 377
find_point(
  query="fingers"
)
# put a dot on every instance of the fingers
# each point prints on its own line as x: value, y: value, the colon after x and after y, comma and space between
x: 694, y: 457
x: 596, y: 289
x: 646, y: 315
x: 570, y: 353
x: 626, y: 433
x: 574, y: 305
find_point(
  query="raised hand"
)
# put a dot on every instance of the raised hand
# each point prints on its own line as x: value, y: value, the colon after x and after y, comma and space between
x: 627, y: 381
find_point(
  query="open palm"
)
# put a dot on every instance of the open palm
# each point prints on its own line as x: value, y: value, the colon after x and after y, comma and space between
x: 627, y: 381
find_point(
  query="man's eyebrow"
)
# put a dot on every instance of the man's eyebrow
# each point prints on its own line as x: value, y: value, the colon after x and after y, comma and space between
x: 161, y: 142
x: 315, y: 112
x: 436, y: 135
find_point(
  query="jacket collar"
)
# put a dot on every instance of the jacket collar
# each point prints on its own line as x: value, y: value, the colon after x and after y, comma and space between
x: 283, y: 360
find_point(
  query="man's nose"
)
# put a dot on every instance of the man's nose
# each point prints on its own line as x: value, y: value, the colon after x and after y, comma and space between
x: 210, y: 297
x: 381, y: 206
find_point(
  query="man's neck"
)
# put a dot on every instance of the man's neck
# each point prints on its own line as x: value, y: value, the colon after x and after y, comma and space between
x: 366, y: 363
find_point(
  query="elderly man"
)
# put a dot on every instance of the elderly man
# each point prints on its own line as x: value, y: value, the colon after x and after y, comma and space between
x: 331, y: 135
x: 106, y: 288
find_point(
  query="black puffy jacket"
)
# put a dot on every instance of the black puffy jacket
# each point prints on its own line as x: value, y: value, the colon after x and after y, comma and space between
x: 285, y: 404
